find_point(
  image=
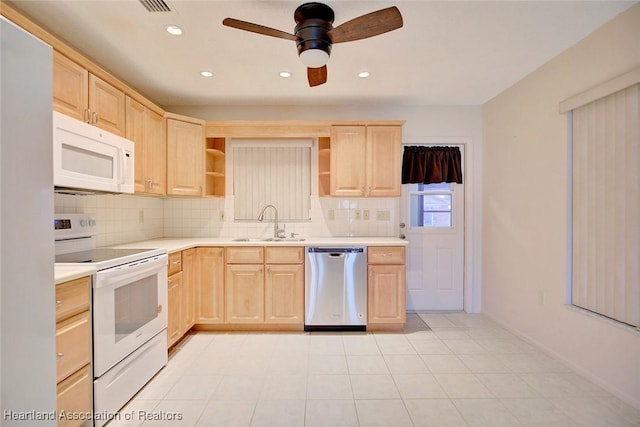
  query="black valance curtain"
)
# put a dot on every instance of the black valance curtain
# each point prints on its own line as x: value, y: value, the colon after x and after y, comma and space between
x: 430, y: 165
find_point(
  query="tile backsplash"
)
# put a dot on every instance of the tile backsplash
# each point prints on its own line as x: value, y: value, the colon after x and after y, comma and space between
x: 127, y: 218
x: 120, y: 218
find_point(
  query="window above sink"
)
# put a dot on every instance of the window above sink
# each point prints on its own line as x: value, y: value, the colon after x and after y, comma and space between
x: 276, y: 172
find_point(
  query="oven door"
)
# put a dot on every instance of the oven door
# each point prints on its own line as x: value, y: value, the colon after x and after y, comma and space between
x: 129, y: 308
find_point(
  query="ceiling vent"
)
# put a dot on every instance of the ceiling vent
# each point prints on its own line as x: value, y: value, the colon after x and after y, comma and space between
x: 155, y: 5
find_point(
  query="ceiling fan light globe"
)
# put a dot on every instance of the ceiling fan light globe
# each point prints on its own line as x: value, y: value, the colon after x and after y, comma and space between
x: 314, y: 58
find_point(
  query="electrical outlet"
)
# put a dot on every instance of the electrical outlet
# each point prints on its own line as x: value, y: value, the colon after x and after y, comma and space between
x: 365, y: 214
x: 141, y: 216
x: 358, y: 214
x: 332, y: 214
x: 383, y: 215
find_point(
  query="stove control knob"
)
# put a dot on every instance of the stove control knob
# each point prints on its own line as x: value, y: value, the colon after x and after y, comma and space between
x: 83, y: 223
x: 92, y: 222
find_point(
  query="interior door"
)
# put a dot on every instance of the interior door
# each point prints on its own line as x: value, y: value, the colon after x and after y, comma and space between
x: 433, y: 216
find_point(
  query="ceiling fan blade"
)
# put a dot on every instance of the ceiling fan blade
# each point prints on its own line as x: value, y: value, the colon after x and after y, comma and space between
x: 317, y: 76
x: 260, y: 29
x: 368, y: 25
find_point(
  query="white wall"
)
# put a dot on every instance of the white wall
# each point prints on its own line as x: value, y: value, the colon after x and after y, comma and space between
x: 524, y: 246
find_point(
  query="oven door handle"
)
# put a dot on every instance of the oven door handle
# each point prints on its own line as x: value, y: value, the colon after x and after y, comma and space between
x: 124, y: 274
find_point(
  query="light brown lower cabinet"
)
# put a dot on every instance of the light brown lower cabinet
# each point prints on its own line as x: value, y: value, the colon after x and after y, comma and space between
x: 260, y: 286
x: 181, y: 298
x: 284, y: 285
x: 244, y: 291
x: 210, y: 286
x: 386, y: 303
x: 264, y: 285
x: 74, y: 397
x: 174, y: 301
x: 244, y: 284
x: 73, y: 350
x: 189, y: 281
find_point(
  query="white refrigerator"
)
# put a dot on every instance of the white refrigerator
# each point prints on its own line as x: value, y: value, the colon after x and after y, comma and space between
x: 27, y: 289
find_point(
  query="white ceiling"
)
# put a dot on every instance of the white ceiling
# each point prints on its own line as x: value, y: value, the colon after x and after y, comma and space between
x: 447, y: 53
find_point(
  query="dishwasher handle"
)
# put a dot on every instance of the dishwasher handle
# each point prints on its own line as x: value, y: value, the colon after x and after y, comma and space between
x: 335, y: 250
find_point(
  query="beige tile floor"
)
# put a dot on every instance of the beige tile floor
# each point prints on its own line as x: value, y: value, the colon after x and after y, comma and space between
x: 465, y: 371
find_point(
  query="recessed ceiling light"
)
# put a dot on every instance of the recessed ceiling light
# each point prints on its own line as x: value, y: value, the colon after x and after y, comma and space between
x: 174, y: 30
x: 285, y: 74
x: 364, y: 74
x: 206, y: 73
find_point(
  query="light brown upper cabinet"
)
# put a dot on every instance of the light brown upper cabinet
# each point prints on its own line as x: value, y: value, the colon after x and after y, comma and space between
x: 365, y: 161
x: 148, y: 131
x: 214, y: 167
x: 80, y: 94
x: 185, y: 156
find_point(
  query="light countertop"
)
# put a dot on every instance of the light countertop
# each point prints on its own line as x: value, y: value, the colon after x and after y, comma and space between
x: 65, y: 273
x: 180, y: 244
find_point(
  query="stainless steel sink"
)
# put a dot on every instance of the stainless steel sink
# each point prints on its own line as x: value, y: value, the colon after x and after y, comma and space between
x: 269, y: 239
x: 283, y: 239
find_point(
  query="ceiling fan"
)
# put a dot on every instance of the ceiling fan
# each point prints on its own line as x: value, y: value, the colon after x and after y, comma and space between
x: 314, y: 33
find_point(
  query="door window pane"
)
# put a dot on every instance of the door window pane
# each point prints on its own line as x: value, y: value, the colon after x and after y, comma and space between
x: 431, y: 205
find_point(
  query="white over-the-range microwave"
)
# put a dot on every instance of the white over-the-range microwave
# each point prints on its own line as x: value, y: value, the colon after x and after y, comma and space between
x: 88, y: 159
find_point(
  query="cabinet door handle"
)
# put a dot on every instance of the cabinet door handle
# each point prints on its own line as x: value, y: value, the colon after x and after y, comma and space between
x: 58, y: 303
x: 87, y: 115
x: 95, y: 117
x: 59, y: 356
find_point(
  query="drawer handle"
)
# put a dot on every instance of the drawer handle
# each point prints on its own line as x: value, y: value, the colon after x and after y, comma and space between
x: 59, y: 355
x: 387, y: 255
x: 58, y: 303
x: 175, y: 262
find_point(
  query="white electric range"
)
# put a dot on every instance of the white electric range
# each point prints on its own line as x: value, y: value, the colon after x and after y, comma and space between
x: 129, y: 310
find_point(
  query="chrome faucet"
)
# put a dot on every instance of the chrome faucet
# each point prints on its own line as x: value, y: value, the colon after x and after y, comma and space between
x: 277, y: 232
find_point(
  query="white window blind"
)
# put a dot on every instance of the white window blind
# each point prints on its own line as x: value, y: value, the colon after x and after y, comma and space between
x: 606, y: 211
x: 266, y: 174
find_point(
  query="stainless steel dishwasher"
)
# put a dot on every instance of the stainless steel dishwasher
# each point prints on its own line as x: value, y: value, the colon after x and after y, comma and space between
x: 335, y: 288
